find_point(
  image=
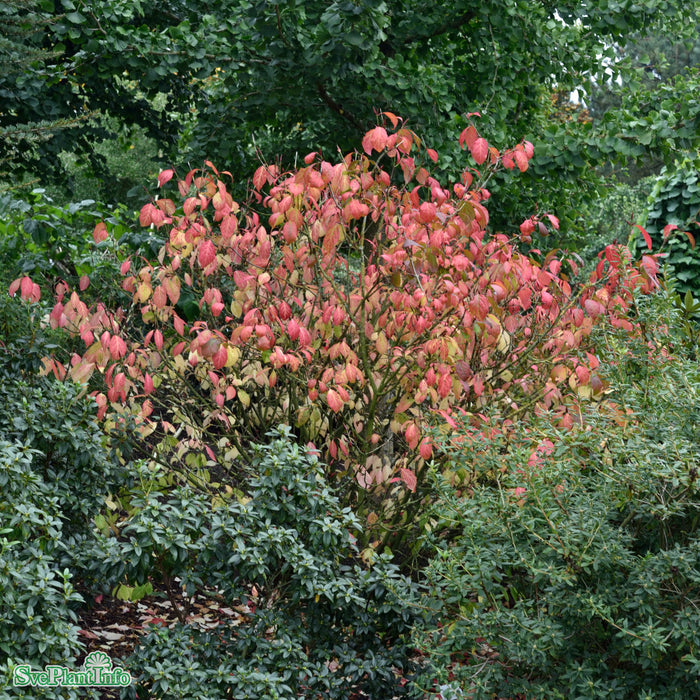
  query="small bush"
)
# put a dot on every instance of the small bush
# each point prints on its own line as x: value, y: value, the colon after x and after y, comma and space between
x: 314, y: 623
x: 54, y: 474
x: 571, y: 567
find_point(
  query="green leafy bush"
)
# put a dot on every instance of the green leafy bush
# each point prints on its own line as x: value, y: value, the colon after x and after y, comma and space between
x: 45, y: 239
x: 54, y: 474
x: 36, y: 618
x: 570, y: 566
x: 314, y: 623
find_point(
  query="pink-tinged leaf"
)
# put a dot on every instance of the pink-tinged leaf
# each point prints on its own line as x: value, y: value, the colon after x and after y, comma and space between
x: 691, y: 238
x: 582, y: 374
x: 117, y: 347
x: 87, y: 634
x: 426, y: 448
x: 554, y: 221
x: 668, y: 228
x: 444, y: 385
x: 260, y: 177
x: 147, y: 384
x: 593, y: 307
x: 427, y: 212
x: 412, y: 435
x: 527, y: 227
x: 165, y: 176
x: 179, y: 325
x: 375, y: 139
x: 207, y: 254
x: 26, y: 289
x: 529, y: 149
x: 146, y: 214
x: 479, y: 150
x: 473, y: 114
x: 124, y: 268
x: 334, y: 401
x: 646, y: 236
x: 650, y: 265
x: 220, y: 357
x: 432, y: 154
x: 468, y: 137
x: 99, y: 233
x: 409, y: 478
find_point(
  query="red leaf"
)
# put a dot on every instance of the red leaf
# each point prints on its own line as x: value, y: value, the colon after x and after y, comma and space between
x: 650, y: 265
x: 647, y: 237
x: 375, y: 139
x: 84, y: 283
x: 260, y: 177
x: 165, y: 176
x: 207, y: 254
x: 334, y: 401
x: 468, y: 137
x: 412, y: 435
x: 668, y: 228
x: 691, y: 238
x: 479, y: 150
x: 432, y: 155
x: 88, y: 634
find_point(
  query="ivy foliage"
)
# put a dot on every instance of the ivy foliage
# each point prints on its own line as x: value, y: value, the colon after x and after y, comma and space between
x: 675, y: 201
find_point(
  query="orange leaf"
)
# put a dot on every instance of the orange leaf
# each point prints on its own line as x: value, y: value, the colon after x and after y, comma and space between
x: 99, y: 233
x: 392, y: 118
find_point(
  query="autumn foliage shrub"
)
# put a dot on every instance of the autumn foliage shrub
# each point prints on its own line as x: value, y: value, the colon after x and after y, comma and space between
x: 350, y: 300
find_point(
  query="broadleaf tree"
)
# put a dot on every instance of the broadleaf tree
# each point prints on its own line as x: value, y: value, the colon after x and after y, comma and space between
x: 218, y: 80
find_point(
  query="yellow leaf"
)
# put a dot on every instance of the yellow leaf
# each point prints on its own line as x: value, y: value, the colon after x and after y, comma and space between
x: 244, y: 398
x: 236, y: 308
x: 143, y: 292
x: 233, y: 354
x: 503, y: 344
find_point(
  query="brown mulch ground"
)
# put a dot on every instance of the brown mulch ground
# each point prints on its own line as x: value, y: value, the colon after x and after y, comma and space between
x: 114, y: 626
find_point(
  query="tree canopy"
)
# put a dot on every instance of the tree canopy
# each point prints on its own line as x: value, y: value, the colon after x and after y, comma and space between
x: 230, y: 80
